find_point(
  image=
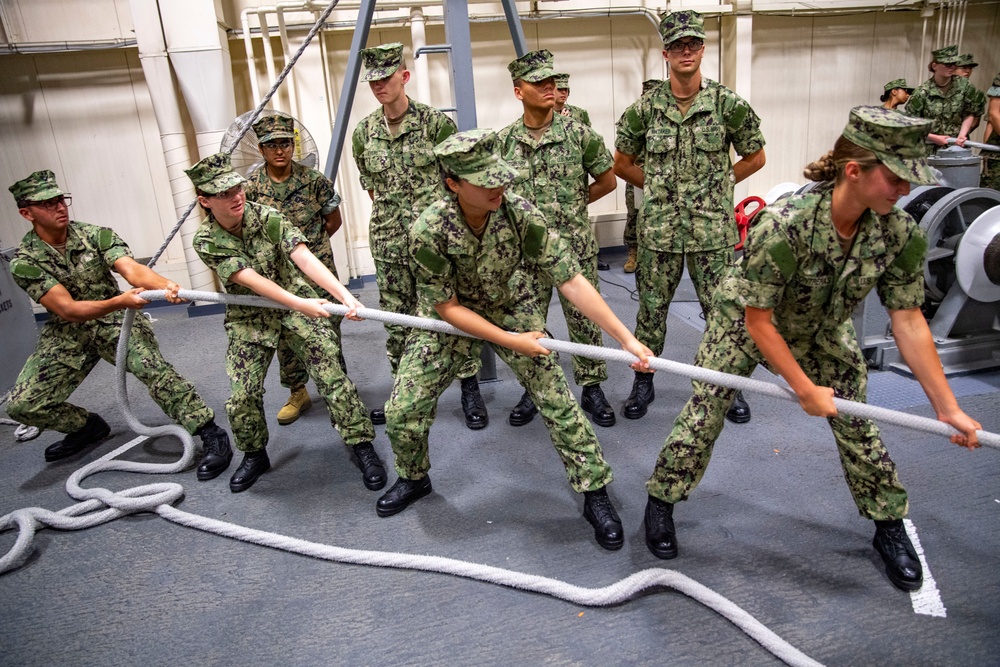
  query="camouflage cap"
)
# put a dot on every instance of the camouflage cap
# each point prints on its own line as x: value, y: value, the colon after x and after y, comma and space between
x: 562, y: 80
x: 214, y: 174
x: 649, y: 84
x: 382, y: 61
x: 471, y: 155
x: 275, y: 126
x: 898, y: 141
x: 533, y: 66
x: 675, y: 25
x: 897, y: 83
x: 947, y: 55
x: 40, y: 186
x: 994, y: 90
x: 967, y: 60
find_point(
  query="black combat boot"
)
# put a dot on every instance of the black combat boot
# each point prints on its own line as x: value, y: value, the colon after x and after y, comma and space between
x: 218, y: 454
x: 472, y: 404
x: 640, y: 398
x: 95, y: 430
x: 377, y: 415
x: 902, y: 564
x: 739, y: 411
x: 372, y: 470
x: 254, y: 465
x: 524, y: 411
x: 661, y: 537
x: 597, y: 405
x: 600, y: 512
x: 402, y: 494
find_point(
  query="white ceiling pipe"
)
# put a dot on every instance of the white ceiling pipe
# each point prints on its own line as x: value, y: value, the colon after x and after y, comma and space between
x: 421, y: 67
x: 265, y: 36
x: 248, y: 44
x: 286, y: 53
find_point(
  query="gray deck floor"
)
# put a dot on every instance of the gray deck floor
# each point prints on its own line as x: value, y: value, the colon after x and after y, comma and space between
x: 772, y: 527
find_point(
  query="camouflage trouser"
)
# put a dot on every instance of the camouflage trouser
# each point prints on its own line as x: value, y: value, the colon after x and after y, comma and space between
x: 991, y: 174
x: 291, y: 372
x: 657, y: 275
x: 58, y: 366
x: 431, y: 362
x: 313, y: 343
x: 837, y: 363
x: 397, y: 293
x: 629, y: 237
x: 586, y: 372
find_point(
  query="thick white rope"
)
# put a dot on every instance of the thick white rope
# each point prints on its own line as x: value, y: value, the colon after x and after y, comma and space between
x: 853, y: 408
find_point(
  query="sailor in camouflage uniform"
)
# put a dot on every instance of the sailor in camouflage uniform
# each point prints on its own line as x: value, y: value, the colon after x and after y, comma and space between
x: 394, y: 150
x: 255, y: 250
x: 686, y: 126
x: 578, y: 114
x: 991, y: 172
x: 307, y: 198
x: 477, y: 255
x: 951, y: 102
x: 629, y: 235
x: 809, y: 260
x: 556, y: 158
x: 66, y: 266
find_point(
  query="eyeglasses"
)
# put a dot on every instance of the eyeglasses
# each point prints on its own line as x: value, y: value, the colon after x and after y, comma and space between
x: 54, y: 203
x: 693, y: 45
x: 284, y: 144
x: 231, y: 193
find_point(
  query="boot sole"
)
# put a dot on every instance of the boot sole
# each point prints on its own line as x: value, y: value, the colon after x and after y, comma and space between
x: 521, y: 421
x: 738, y: 420
x: 476, y: 426
x: 660, y: 553
x: 640, y: 415
x: 384, y: 512
x: 600, y: 422
x: 243, y: 486
x: 204, y: 476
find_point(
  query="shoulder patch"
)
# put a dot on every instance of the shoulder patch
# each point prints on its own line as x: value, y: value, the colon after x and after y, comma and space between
x: 534, y: 239
x: 273, y: 227
x: 105, y: 238
x: 911, y: 257
x: 737, y: 115
x: 783, y: 257
x: 430, y: 260
x: 23, y: 270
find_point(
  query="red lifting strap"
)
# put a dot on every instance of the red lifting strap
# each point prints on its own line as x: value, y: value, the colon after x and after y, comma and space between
x: 745, y: 220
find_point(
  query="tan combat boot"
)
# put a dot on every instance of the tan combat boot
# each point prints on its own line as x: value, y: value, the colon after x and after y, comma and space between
x: 630, y: 262
x: 297, y: 403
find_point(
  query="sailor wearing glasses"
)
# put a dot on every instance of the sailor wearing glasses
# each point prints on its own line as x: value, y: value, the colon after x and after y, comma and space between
x: 66, y: 266
x: 684, y: 126
x: 307, y: 198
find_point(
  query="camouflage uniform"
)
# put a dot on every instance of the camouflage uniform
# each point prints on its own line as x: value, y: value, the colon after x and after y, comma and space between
x: 553, y: 176
x: 494, y: 277
x: 687, y: 206
x: 946, y: 108
x: 794, y: 264
x: 303, y: 199
x: 68, y: 351
x: 991, y: 172
x: 403, y: 176
x: 568, y: 110
x: 267, y: 243
x: 629, y: 235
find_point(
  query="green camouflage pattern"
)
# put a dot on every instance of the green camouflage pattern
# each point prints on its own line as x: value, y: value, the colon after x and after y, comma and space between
x: 946, y: 55
x: 994, y: 89
x: 274, y: 126
x: 991, y: 159
x: 472, y: 156
x: 253, y: 333
x: 657, y: 275
x: 401, y: 172
x: 897, y: 83
x: 491, y: 276
x: 533, y: 66
x: 967, y: 60
x: 214, y: 174
x: 39, y: 186
x: 677, y: 25
x: 381, y: 61
x: 562, y: 81
x: 898, y: 141
x: 578, y: 114
x: 630, y: 235
x: 688, y: 194
x: 553, y: 174
x: 948, y: 109
x: 68, y: 351
x: 793, y: 263
x: 303, y: 199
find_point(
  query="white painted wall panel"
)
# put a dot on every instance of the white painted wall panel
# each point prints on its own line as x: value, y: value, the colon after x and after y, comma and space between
x: 66, y: 20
